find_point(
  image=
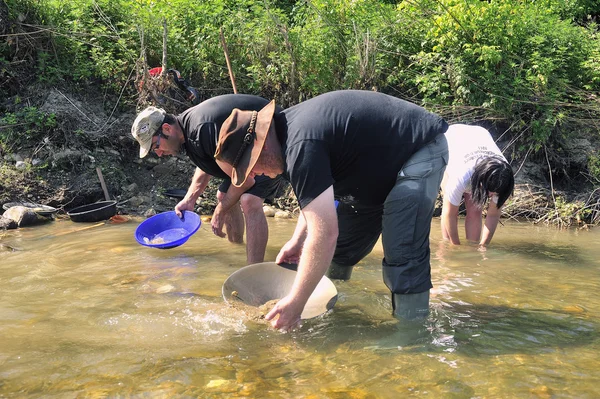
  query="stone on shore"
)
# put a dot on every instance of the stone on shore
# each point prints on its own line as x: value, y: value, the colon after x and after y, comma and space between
x: 24, y: 216
x: 269, y: 211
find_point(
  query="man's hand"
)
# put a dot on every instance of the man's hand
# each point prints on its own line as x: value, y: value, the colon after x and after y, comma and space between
x: 289, y: 253
x: 230, y: 199
x: 218, y: 221
x: 186, y: 204
x: 285, y: 316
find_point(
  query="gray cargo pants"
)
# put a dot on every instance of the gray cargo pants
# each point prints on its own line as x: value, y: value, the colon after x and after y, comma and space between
x: 404, y: 221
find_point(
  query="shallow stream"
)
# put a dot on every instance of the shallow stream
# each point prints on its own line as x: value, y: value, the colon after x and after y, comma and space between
x: 85, y: 311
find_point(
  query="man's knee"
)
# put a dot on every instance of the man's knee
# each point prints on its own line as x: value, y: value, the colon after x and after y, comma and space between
x: 251, y: 203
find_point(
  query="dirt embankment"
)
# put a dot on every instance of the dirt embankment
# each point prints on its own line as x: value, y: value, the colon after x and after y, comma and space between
x: 59, y: 169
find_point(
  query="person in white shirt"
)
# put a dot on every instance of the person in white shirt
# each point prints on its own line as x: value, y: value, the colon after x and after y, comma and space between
x: 476, y: 171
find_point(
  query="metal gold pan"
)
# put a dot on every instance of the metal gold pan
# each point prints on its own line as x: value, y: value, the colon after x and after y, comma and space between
x: 262, y: 282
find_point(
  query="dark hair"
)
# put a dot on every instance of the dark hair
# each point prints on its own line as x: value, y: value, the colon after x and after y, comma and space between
x: 492, y: 175
x: 169, y: 119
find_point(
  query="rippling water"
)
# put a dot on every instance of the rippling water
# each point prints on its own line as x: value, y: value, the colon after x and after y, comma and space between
x: 86, y: 311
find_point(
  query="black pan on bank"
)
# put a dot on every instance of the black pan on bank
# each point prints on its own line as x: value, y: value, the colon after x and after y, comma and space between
x: 93, y: 212
x: 178, y: 193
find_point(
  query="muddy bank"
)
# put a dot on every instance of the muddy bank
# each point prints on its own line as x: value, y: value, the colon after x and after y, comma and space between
x: 58, y: 168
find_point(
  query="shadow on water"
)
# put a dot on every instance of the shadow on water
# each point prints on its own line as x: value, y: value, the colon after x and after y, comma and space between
x: 541, y: 252
x: 480, y: 329
x: 471, y: 330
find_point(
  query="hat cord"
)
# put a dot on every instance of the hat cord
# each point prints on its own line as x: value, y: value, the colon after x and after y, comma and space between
x: 248, y: 137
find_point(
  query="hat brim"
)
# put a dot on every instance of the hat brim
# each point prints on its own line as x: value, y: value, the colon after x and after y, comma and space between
x: 145, y: 148
x: 264, y: 119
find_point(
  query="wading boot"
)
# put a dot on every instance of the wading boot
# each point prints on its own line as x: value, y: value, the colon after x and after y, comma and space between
x: 339, y: 272
x: 411, y: 306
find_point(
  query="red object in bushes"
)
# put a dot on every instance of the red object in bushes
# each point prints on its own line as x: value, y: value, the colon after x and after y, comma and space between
x: 193, y: 96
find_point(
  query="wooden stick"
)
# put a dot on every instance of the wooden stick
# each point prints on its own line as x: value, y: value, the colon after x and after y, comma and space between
x: 224, y: 44
x: 163, y: 73
x: 81, y: 229
x: 103, y: 184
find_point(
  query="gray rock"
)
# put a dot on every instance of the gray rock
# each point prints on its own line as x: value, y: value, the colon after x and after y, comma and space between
x: 529, y: 173
x: 24, y: 216
x: 130, y: 189
x: 269, y: 211
x: 136, y: 201
x: 165, y: 169
x: 66, y: 158
x: 578, y: 151
x: 7, y: 224
x: 282, y: 215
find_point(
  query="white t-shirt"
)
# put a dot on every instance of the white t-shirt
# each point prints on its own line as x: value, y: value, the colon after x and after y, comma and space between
x: 466, y: 146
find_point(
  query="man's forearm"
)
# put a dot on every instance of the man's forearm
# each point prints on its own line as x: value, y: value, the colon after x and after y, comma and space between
x: 316, y: 257
x: 232, y: 196
x: 299, y: 235
x: 198, y: 185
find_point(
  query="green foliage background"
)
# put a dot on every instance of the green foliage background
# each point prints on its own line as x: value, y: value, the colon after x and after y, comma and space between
x: 529, y: 67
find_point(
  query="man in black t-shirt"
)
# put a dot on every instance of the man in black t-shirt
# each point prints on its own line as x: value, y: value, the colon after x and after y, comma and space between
x: 381, y: 157
x: 196, y: 130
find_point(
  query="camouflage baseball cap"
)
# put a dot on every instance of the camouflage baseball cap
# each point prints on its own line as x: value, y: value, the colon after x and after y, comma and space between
x: 145, y: 127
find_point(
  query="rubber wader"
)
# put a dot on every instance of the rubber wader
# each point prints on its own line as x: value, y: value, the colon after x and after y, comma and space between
x: 339, y: 272
x: 411, y: 306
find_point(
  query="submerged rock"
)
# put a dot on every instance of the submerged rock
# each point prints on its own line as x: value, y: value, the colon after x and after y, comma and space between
x: 282, y: 214
x: 7, y: 248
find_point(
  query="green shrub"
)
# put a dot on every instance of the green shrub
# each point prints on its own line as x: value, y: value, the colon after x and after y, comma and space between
x: 594, y: 169
x: 520, y: 64
x: 25, y: 127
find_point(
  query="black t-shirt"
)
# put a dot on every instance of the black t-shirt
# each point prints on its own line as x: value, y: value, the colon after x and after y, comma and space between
x: 355, y: 140
x: 201, y: 125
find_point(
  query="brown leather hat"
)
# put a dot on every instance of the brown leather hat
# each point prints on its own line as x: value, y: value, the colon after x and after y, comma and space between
x: 242, y: 138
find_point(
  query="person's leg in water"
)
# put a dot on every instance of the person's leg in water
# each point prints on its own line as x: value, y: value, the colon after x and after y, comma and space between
x: 234, y: 221
x: 257, y: 230
x: 359, y: 229
x: 407, y: 215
